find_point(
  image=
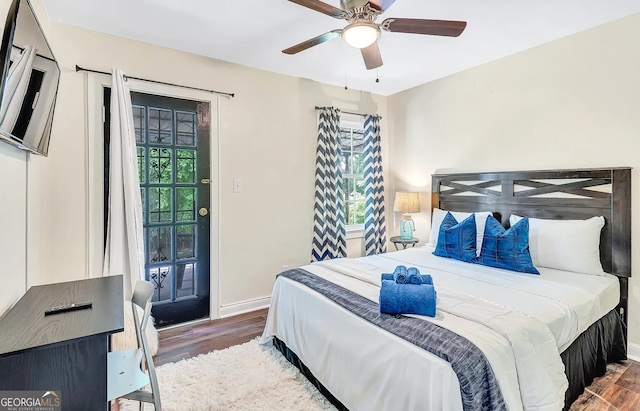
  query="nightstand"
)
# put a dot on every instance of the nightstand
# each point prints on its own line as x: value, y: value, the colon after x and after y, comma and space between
x: 397, y: 240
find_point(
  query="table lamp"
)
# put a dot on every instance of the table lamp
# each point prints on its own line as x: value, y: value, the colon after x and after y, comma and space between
x: 406, y: 202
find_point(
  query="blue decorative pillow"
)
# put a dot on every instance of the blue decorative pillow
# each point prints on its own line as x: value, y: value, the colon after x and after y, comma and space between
x: 457, y: 241
x: 508, y: 249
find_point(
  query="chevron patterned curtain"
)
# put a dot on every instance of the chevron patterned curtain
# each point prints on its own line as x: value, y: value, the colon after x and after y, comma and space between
x: 329, y: 235
x: 375, y: 231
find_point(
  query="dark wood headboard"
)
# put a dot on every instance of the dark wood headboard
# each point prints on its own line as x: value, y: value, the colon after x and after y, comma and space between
x: 552, y: 194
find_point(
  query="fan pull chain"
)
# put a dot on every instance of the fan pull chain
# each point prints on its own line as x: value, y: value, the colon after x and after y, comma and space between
x: 345, y: 69
x: 377, y: 76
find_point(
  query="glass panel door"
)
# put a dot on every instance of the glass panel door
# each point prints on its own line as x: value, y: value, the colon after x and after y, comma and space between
x: 172, y: 138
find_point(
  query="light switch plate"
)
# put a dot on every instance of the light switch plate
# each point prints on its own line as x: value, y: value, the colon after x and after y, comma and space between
x: 237, y: 185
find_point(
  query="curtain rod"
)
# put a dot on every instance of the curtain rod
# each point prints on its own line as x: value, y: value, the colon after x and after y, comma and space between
x: 348, y: 112
x: 78, y: 68
x: 39, y: 55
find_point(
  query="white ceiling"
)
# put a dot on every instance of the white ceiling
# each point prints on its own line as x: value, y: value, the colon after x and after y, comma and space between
x: 253, y: 33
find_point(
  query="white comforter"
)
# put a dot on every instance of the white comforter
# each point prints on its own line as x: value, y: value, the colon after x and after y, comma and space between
x: 521, y: 322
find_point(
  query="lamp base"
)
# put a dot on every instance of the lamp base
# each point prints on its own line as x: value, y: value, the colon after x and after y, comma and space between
x: 407, y: 227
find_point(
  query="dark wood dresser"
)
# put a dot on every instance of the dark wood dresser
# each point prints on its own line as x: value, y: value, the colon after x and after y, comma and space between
x: 65, y: 352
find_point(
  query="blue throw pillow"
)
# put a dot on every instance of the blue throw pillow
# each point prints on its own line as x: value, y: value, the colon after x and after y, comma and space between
x: 457, y: 241
x: 508, y: 249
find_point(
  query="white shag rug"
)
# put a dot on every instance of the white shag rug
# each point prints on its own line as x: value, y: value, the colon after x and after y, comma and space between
x: 247, y: 377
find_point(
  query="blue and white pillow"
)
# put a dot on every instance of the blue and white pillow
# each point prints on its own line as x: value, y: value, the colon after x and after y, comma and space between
x: 508, y: 249
x: 437, y: 215
x: 457, y: 240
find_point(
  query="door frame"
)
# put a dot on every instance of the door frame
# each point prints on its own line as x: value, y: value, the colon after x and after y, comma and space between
x: 95, y: 173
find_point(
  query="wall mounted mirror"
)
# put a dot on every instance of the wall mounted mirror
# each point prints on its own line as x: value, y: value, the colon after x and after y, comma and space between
x: 30, y: 81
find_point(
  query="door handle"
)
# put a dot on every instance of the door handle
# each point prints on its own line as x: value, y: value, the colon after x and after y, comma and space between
x: 203, y: 211
x: 205, y: 181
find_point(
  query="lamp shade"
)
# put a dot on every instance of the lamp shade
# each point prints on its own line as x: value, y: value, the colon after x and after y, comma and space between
x: 406, y: 202
x: 361, y: 35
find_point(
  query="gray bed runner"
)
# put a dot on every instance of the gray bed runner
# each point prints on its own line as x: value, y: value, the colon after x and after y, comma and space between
x: 478, y: 385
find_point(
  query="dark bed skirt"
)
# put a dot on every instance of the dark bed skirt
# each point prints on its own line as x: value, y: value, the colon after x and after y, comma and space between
x: 586, y: 358
x: 293, y: 359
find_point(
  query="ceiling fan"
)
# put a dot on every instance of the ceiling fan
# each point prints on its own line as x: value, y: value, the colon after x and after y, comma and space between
x: 363, y: 32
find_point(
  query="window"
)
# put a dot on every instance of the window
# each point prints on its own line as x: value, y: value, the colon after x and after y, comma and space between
x: 352, y: 163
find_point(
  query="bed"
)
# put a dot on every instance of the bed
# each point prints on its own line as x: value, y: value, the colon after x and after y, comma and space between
x: 545, y: 337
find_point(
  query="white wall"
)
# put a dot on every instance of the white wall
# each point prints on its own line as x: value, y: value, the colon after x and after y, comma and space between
x: 571, y: 103
x: 17, y: 196
x: 267, y: 138
x: 13, y: 225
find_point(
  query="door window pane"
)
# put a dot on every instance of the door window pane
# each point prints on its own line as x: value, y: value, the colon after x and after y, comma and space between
x: 159, y: 205
x: 160, y: 169
x: 186, y: 128
x: 186, y: 204
x: 161, y: 278
x: 160, y: 126
x: 143, y: 199
x: 185, y: 279
x: 139, y: 123
x: 187, y: 166
x: 160, y: 244
x: 142, y: 164
x: 185, y: 241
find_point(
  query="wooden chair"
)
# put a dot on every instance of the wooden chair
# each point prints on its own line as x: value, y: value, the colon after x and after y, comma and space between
x: 125, y: 369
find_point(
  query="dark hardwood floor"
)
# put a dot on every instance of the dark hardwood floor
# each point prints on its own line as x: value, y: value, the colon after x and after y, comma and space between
x: 189, y: 341
x: 617, y: 390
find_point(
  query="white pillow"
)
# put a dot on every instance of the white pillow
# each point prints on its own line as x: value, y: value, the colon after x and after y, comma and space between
x: 438, y: 215
x: 569, y: 245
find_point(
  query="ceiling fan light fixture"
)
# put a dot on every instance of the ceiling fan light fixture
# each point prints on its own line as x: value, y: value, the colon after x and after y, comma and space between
x: 361, y: 35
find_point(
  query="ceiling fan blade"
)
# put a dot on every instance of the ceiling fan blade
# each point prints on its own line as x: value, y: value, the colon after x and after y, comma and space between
x: 372, y: 57
x: 324, y: 8
x: 381, y: 4
x: 420, y: 26
x: 313, y: 42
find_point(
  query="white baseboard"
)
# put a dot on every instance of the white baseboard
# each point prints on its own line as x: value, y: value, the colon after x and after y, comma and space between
x: 633, y: 352
x: 244, y: 307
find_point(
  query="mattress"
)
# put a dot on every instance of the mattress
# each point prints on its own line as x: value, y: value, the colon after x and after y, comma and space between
x: 367, y: 368
x: 578, y: 300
